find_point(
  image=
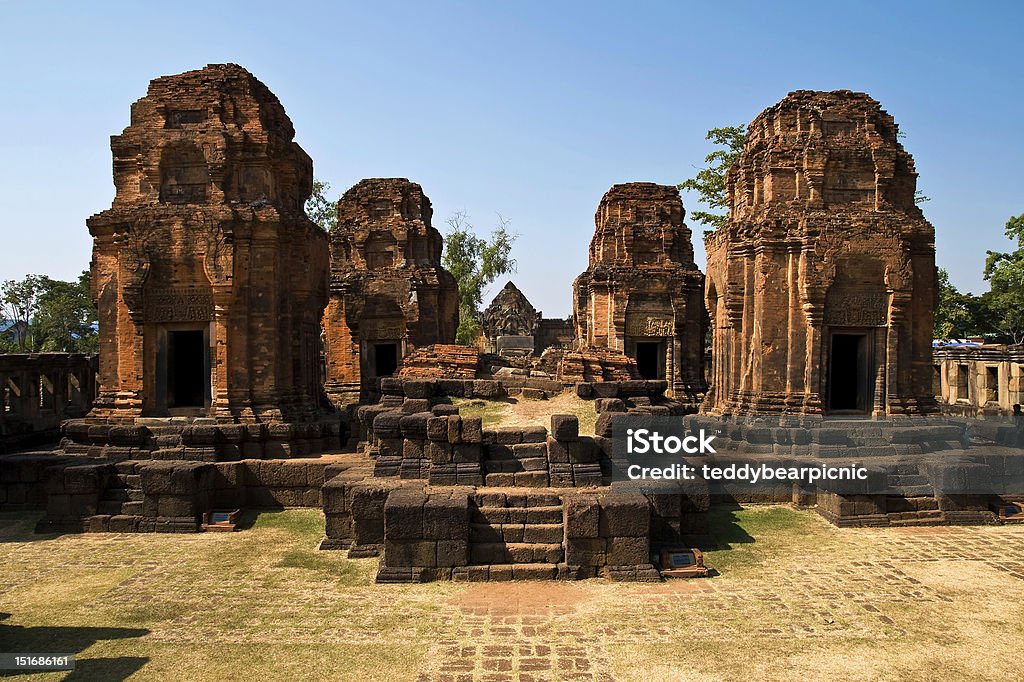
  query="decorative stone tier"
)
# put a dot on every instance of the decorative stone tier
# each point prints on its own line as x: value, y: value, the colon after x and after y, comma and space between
x: 81, y: 494
x: 200, y: 439
x: 425, y: 532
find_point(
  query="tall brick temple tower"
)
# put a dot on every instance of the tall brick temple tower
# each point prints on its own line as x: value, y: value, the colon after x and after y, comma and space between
x: 209, y: 278
x: 642, y: 294
x: 821, y: 286
x: 388, y: 291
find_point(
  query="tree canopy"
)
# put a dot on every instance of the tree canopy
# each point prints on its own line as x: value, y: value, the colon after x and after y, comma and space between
x: 320, y: 209
x: 1005, y: 274
x: 49, y: 315
x: 475, y: 263
x: 709, y: 183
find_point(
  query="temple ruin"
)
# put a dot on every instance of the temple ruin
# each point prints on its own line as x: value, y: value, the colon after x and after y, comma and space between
x: 821, y: 285
x: 642, y: 294
x: 214, y: 289
x: 389, y: 293
x: 210, y: 279
x: 510, y: 324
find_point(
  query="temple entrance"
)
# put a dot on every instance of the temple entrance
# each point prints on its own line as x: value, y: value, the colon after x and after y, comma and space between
x: 849, y: 373
x: 188, y: 375
x: 385, y: 359
x: 649, y: 357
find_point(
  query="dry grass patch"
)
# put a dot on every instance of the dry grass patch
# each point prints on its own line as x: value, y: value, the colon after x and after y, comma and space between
x: 520, y: 412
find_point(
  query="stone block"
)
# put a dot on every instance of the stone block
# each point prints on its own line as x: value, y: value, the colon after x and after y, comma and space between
x: 530, y: 450
x: 534, y: 434
x: 452, y: 553
x: 624, y: 515
x: 418, y: 388
x: 508, y: 435
x: 409, y: 552
x: 609, y: 405
x: 565, y: 427
x: 439, y: 452
x: 472, y: 430
x: 414, y: 425
x: 387, y: 425
x: 582, y: 515
x: 403, y: 514
x: 454, y: 429
x: 437, y: 429
x: 557, y: 452
x: 464, y: 453
x: 625, y: 551
x: 446, y: 518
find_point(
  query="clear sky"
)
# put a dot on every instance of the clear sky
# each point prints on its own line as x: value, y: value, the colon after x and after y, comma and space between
x: 530, y: 109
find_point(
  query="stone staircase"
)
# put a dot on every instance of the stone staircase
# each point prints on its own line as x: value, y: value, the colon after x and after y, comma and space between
x: 123, y: 494
x: 517, y: 533
x: 911, y: 498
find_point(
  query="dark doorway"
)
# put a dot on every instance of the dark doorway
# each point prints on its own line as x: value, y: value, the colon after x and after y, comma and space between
x: 385, y: 359
x: 186, y: 369
x: 848, y: 373
x: 648, y: 359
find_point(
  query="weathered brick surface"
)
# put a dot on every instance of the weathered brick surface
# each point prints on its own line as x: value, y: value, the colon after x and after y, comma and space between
x: 387, y: 286
x: 824, y: 171
x: 176, y: 248
x: 642, y: 286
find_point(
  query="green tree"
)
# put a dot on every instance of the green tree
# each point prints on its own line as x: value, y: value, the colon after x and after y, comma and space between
x: 66, y: 317
x: 475, y: 263
x: 1005, y: 274
x: 709, y: 183
x: 320, y: 209
x: 20, y: 300
x: 961, y: 316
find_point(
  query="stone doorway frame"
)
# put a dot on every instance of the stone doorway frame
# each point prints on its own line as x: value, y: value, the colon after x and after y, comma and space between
x: 163, y: 334
x: 867, y: 373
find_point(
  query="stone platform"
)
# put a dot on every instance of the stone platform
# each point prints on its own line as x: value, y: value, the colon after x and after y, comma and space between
x: 200, y: 439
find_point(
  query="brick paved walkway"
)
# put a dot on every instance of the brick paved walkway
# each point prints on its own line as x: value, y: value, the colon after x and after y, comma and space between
x: 819, y: 603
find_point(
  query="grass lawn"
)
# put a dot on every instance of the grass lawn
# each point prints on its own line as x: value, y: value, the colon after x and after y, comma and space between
x: 795, y: 598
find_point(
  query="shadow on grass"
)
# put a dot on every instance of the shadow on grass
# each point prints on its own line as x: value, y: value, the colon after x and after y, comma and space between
x: 17, y: 639
x: 20, y: 526
x: 724, y: 529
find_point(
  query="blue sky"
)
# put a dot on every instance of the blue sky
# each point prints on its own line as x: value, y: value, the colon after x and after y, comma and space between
x: 530, y: 109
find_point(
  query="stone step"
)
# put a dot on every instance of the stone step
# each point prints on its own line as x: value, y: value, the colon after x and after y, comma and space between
x: 515, y: 553
x: 515, y: 532
x: 517, y: 497
x: 115, y: 495
x: 908, y: 479
x: 110, y: 508
x: 912, y: 491
x: 904, y: 523
x: 527, y: 571
x: 517, y: 515
x: 133, y: 508
x: 896, y: 504
x: 924, y: 515
x: 903, y: 469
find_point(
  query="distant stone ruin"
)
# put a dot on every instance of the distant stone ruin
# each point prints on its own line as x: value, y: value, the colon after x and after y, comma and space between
x: 388, y: 292
x: 642, y: 294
